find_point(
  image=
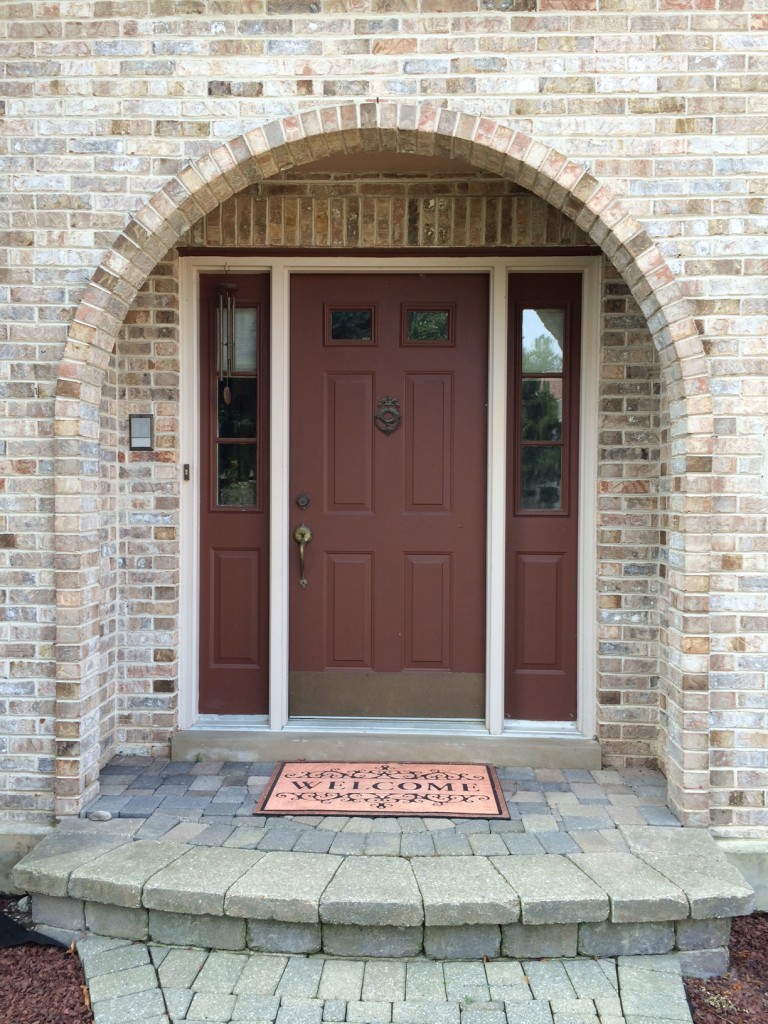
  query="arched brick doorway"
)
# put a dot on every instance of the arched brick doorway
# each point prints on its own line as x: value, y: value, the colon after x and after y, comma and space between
x: 369, y: 127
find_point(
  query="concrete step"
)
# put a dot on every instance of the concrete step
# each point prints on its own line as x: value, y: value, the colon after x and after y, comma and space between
x: 673, y: 890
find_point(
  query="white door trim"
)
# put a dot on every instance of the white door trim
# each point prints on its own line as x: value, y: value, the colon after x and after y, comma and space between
x: 281, y: 270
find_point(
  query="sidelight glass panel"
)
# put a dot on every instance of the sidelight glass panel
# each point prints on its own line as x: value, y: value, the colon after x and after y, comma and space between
x: 429, y: 325
x: 542, y: 408
x: 237, y: 474
x: 541, y: 477
x: 543, y: 334
x: 352, y: 324
x: 244, y: 357
x: 246, y: 341
x: 238, y: 418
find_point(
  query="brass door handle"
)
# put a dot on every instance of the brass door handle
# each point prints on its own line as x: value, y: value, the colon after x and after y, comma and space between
x: 302, y: 535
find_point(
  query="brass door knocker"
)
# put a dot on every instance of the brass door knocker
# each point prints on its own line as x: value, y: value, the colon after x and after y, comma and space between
x: 388, y: 416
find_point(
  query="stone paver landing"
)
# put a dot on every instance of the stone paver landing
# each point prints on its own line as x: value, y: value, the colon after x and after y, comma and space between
x: 142, y: 983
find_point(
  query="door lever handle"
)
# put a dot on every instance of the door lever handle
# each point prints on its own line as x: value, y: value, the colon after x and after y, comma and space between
x: 302, y: 535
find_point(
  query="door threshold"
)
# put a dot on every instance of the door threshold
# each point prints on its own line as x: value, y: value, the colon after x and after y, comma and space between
x: 439, y: 726
x: 320, y: 740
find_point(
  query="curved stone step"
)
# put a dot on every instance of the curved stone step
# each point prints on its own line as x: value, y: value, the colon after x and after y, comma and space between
x: 673, y: 890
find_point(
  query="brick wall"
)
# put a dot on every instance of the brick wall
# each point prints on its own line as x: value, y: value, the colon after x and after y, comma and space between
x: 104, y: 102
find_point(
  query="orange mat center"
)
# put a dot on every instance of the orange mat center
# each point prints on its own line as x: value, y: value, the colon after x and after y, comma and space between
x: 376, y: 789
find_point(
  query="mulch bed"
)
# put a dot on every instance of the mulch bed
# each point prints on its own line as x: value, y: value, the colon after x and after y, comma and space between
x: 40, y: 984
x: 741, y: 995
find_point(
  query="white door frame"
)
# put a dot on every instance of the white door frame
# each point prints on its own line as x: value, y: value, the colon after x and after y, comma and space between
x: 281, y: 270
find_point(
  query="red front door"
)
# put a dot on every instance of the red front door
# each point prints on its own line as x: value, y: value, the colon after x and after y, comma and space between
x: 234, y: 499
x: 388, y: 471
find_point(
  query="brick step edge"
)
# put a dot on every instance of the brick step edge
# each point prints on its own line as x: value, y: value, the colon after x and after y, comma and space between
x: 702, y: 945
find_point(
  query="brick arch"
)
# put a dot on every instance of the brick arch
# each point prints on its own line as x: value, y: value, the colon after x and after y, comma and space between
x: 203, y: 185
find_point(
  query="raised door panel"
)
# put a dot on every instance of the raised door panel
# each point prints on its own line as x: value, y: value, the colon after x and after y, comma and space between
x: 538, y: 598
x: 349, y: 461
x: 429, y: 448
x: 349, y: 608
x: 427, y: 611
x: 236, y: 579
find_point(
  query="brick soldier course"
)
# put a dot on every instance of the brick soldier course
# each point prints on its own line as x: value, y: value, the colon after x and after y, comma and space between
x: 133, y: 130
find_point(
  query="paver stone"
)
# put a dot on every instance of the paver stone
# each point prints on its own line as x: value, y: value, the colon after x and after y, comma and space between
x: 372, y: 891
x: 636, y: 891
x: 553, y: 890
x: 464, y: 890
x: 46, y: 869
x: 283, y: 887
x: 197, y: 882
x: 119, y: 876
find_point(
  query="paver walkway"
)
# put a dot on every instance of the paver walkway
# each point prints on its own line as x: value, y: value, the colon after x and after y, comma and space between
x: 551, y: 811
x: 140, y: 983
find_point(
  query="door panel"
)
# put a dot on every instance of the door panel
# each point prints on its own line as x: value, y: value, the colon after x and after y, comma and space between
x: 234, y: 501
x: 350, y: 448
x: 542, y: 496
x: 428, y: 611
x: 429, y: 457
x: 349, y: 605
x: 392, y: 620
x: 235, y: 572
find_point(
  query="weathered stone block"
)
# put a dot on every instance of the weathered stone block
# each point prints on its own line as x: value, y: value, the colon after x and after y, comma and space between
x: 197, y: 930
x: 119, y: 876
x: 196, y: 883
x: 282, y: 886
x: 468, y: 942
x: 58, y: 912
x: 636, y: 891
x: 609, y: 939
x: 709, y: 934
x: 483, y: 897
x: 372, y: 940
x: 704, y: 963
x: 47, y: 868
x: 539, y: 940
x: 553, y: 890
x: 283, y: 936
x: 373, y: 891
x: 118, y: 922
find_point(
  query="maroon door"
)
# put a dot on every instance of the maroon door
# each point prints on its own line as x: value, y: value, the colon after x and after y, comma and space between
x: 388, y: 470
x: 542, y: 496
x: 234, y: 499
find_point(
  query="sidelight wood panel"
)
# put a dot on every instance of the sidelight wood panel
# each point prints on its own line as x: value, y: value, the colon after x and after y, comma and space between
x: 538, y: 585
x: 349, y: 443
x: 233, y: 468
x: 542, y: 496
x: 429, y: 454
x: 236, y: 599
x: 350, y: 607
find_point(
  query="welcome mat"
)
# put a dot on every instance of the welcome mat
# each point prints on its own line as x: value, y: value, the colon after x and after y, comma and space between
x: 377, y: 789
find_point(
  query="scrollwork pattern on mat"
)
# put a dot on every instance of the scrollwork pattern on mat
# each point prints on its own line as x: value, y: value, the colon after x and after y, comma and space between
x: 382, y: 801
x: 398, y: 773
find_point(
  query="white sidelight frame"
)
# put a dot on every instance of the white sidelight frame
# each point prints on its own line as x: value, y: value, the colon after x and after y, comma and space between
x: 281, y: 270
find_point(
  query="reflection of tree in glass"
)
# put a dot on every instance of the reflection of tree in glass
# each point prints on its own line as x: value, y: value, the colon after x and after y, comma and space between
x: 541, y: 421
x: 544, y: 356
x: 428, y: 325
x: 351, y: 325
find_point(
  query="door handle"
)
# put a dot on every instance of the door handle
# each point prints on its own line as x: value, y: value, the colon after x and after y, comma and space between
x: 302, y: 535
